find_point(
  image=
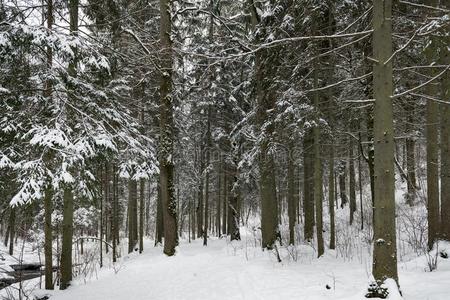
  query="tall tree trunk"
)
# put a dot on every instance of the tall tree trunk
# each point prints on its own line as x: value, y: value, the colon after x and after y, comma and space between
x: 48, y: 241
x: 225, y: 201
x: 67, y: 234
x: 12, y: 229
x: 132, y: 215
x: 167, y: 131
x: 445, y: 135
x: 207, y: 158
x: 331, y: 194
x: 103, y: 191
x: 308, y: 180
x: 141, y: 214
x: 115, y: 221
x: 432, y: 131
x: 68, y: 205
x: 318, y: 191
x: 360, y: 184
x: 370, y: 151
x: 352, y: 179
x: 385, y: 248
x: 342, y: 185
x: 234, y: 202
x: 218, y: 200
x: 159, y: 217
x: 200, y: 204
x: 48, y: 208
x: 410, y: 157
x: 291, y: 194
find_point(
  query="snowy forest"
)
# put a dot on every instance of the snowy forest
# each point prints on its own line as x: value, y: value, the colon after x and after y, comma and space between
x: 224, y: 149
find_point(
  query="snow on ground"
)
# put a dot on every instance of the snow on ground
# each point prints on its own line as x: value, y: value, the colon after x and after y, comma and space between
x: 236, y: 271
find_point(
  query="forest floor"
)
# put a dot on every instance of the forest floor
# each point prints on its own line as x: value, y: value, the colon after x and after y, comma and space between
x: 242, y: 271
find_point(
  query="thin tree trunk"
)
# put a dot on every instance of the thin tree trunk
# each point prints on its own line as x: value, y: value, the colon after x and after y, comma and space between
x: 352, y: 180
x: 225, y: 201
x: 115, y: 222
x: 308, y: 194
x: 132, y: 215
x: 218, y: 203
x: 410, y: 158
x: 200, y: 214
x: 207, y: 158
x: 48, y: 241
x: 342, y: 181
x: 331, y: 194
x: 12, y: 229
x: 360, y: 186
x: 159, y: 217
x: 141, y: 215
x: 291, y: 194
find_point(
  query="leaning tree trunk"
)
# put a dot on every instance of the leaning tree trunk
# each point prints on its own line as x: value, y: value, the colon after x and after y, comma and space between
x: 385, y: 249
x: 167, y: 131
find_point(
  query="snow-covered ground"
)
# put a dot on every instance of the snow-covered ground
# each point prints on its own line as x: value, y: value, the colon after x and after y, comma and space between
x: 241, y: 271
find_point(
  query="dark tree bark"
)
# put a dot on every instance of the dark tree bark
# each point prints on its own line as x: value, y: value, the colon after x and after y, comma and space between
x: 308, y: 180
x: 291, y: 195
x: 67, y: 234
x: 159, y: 218
x: 352, y: 180
x: 48, y: 242
x: 68, y: 205
x: 12, y: 229
x: 167, y: 131
x: 342, y: 185
x: 141, y: 214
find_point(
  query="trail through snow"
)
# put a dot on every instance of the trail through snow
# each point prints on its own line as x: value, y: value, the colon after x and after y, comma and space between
x: 224, y: 271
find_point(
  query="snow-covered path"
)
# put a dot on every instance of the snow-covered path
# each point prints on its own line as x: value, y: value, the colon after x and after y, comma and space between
x: 222, y: 271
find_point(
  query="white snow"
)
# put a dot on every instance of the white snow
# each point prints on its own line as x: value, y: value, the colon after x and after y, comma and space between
x: 240, y: 271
